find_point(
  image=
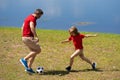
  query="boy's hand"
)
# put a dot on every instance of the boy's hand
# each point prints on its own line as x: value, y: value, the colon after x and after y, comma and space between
x: 95, y: 35
x: 91, y: 35
x: 65, y: 41
x: 62, y: 42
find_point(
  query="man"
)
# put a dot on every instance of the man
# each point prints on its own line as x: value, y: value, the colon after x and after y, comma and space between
x: 30, y: 39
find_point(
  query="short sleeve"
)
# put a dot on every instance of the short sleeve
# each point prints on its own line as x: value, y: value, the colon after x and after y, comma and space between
x: 82, y: 35
x: 70, y: 38
x: 33, y: 20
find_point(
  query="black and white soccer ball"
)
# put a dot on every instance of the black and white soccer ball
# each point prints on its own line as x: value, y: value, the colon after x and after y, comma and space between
x: 40, y: 70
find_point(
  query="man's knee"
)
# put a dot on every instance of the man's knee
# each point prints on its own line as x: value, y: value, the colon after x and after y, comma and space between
x: 37, y: 51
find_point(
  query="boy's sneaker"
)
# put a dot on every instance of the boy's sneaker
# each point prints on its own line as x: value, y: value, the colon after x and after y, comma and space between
x: 68, y: 68
x: 30, y: 70
x: 93, y: 66
x: 24, y: 63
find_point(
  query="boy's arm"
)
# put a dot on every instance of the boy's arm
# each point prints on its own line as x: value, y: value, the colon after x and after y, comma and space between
x: 65, y: 41
x: 90, y: 35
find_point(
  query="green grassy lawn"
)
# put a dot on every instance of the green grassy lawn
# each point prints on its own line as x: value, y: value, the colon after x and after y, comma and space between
x: 103, y: 49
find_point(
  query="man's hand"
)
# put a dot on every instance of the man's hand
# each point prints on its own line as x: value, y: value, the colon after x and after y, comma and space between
x: 36, y: 39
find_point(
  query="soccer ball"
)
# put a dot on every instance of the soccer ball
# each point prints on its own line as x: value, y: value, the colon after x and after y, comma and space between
x: 40, y: 70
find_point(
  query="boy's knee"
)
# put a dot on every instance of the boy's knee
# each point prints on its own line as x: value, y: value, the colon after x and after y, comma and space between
x: 82, y: 57
x: 71, y: 57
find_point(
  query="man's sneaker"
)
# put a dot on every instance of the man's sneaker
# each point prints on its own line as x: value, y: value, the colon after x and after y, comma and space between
x: 24, y: 63
x: 94, y: 66
x: 68, y: 68
x: 30, y: 70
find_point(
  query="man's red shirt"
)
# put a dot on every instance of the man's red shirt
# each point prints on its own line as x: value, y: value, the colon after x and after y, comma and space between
x: 26, y: 28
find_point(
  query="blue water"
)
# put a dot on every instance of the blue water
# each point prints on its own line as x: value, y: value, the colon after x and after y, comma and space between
x: 86, y: 15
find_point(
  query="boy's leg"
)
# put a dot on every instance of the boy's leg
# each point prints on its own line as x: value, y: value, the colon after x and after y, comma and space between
x: 84, y: 58
x: 76, y: 53
x: 87, y: 60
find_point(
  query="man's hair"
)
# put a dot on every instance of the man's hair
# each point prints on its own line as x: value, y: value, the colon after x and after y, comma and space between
x: 74, y: 30
x: 38, y: 11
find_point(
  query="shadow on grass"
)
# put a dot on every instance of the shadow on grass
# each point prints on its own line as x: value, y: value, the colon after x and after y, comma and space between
x: 88, y: 70
x: 103, y: 70
x: 56, y: 72
x: 96, y: 70
x: 62, y: 73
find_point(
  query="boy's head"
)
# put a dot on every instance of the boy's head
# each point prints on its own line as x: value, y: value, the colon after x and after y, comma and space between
x: 73, y: 31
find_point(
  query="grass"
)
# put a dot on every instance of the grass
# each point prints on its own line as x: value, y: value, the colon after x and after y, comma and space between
x: 103, y: 49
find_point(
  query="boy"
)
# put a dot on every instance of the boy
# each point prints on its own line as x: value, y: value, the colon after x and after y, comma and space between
x: 30, y: 39
x: 77, y: 37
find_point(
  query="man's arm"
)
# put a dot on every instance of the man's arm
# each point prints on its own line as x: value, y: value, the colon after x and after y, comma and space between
x: 22, y: 28
x: 34, y: 31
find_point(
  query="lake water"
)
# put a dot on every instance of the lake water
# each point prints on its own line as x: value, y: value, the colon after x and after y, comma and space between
x: 86, y: 15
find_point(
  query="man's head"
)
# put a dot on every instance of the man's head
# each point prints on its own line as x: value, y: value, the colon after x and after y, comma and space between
x: 38, y: 13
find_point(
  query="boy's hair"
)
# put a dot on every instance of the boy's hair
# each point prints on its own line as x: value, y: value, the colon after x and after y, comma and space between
x: 74, y: 30
x: 38, y: 11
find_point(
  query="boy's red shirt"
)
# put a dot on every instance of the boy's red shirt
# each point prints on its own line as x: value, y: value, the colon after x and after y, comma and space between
x: 77, y: 41
x: 26, y: 28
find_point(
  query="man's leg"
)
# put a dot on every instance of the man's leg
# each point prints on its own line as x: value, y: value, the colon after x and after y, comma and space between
x: 30, y: 57
x: 31, y: 54
x: 35, y: 49
x: 31, y: 60
x: 25, y: 60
